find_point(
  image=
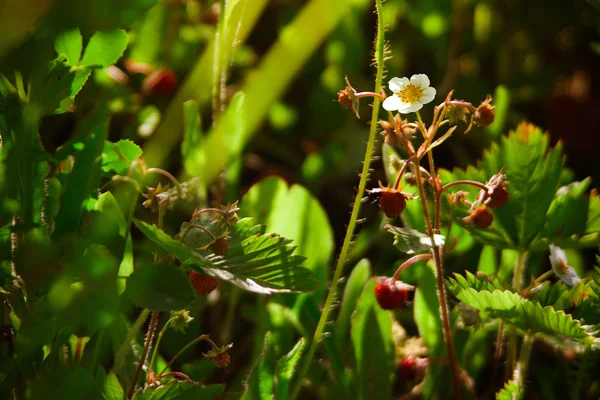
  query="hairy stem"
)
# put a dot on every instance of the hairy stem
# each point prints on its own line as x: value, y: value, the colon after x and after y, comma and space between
x: 147, y: 345
x: 520, y: 371
x: 437, y: 258
x: 512, y: 340
x: 120, y: 357
x: 379, y: 57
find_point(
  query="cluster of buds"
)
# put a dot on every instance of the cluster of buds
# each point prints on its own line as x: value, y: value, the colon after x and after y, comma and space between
x: 495, y: 195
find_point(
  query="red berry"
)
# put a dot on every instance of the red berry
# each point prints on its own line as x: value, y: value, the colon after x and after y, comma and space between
x: 392, y: 203
x: 481, y: 216
x: 484, y: 115
x: 162, y: 82
x: 220, y: 246
x: 412, y: 368
x: 408, y: 368
x: 222, y: 360
x: 203, y: 284
x: 391, y: 295
x: 498, y: 198
x: 345, y: 99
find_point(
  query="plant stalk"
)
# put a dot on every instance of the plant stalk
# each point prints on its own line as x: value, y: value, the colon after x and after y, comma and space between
x: 512, y: 340
x: 437, y: 258
x: 147, y: 345
x: 379, y: 56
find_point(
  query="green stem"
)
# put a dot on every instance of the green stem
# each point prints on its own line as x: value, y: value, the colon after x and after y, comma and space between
x: 520, y: 372
x: 158, y: 339
x: 120, y: 357
x: 180, y: 352
x: 512, y: 340
x: 147, y: 345
x: 437, y: 258
x: 379, y: 55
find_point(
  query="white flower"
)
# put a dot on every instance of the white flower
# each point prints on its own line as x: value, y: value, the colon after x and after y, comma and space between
x: 409, y: 95
x: 558, y: 259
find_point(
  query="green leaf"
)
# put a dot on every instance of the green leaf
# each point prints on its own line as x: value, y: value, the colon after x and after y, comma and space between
x: 110, y: 387
x: 84, y: 179
x: 511, y: 391
x: 357, y: 280
x: 524, y: 314
x: 69, y: 44
x: 160, y: 287
x: 373, y: 347
x: 85, y: 298
x: 477, y: 282
x: 260, y: 384
x: 285, y: 369
x: 181, y: 390
x: 192, y: 137
x: 118, y: 157
x: 61, y: 382
x: 298, y: 215
x: 257, y: 262
x: 427, y: 311
x: 568, y: 212
x: 105, y: 48
x: 410, y: 241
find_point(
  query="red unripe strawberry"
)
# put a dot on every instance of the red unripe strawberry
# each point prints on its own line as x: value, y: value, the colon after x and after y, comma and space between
x: 481, y: 217
x: 203, y: 284
x: 220, y: 246
x: 222, y: 360
x: 344, y: 99
x: 498, y: 198
x: 412, y: 368
x: 162, y: 82
x: 392, y: 203
x: 391, y: 295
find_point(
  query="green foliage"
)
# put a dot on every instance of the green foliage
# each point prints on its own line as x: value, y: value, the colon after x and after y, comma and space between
x: 176, y: 390
x: 258, y: 262
x: 511, y: 391
x: 427, y: 312
x: 159, y: 287
x: 410, y: 241
x: 538, y: 211
x: 118, y: 157
x: 372, y: 341
x: 522, y: 313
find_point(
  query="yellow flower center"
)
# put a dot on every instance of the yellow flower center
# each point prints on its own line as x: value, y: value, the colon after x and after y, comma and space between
x: 410, y: 94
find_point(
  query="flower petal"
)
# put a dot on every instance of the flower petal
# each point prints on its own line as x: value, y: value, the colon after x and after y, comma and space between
x: 397, y: 84
x: 392, y: 103
x: 427, y: 96
x: 558, y: 259
x: 416, y: 106
x: 404, y: 107
x: 420, y: 80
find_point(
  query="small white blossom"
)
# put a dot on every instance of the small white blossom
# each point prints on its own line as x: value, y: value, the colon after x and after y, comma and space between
x: 409, y: 95
x: 558, y: 259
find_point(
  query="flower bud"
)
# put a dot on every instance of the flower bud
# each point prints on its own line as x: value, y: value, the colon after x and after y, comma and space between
x: 481, y: 217
x: 389, y: 134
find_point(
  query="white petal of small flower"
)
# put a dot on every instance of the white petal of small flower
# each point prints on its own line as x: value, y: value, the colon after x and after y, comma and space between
x: 414, y: 107
x: 428, y: 95
x: 420, y: 80
x: 397, y: 84
x: 392, y: 103
x: 409, y: 95
x: 558, y: 259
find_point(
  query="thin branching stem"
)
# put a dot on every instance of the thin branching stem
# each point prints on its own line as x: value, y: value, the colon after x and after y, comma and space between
x: 147, y: 345
x: 379, y: 56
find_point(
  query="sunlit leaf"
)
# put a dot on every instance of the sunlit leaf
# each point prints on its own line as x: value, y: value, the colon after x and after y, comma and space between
x: 117, y: 157
x: 511, y: 391
x: 410, y: 241
x: 261, y: 263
